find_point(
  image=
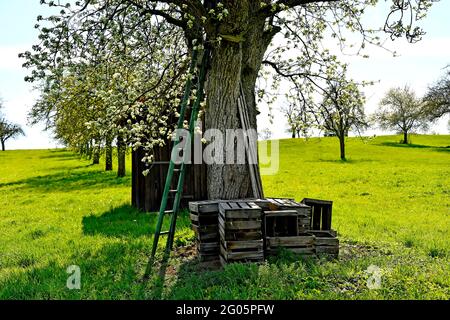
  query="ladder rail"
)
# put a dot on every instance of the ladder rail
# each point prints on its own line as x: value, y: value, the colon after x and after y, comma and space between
x: 192, y: 122
x: 184, y: 103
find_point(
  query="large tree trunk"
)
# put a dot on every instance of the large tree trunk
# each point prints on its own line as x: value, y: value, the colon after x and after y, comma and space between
x: 3, y: 146
x: 234, y: 63
x: 108, y: 155
x: 405, y: 137
x: 121, y: 154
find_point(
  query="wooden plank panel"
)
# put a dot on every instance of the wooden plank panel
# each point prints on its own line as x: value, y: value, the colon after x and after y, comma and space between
x: 242, y: 225
x: 326, y: 242
x: 239, y: 245
x: 242, y: 214
x: 281, y: 213
x: 298, y: 241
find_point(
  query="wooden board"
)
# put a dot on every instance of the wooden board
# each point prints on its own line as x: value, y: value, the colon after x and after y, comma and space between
x: 240, y: 224
x: 232, y: 246
x: 281, y: 213
x: 243, y: 255
x: 240, y: 235
x: 232, y: 206
x: 298, y: 241
x: 208, y: 206
x: 207, y: 247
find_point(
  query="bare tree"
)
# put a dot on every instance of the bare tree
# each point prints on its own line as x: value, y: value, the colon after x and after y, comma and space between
x: 401, y: 110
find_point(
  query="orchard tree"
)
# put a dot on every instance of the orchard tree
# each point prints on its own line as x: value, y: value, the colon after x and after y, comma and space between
x: 299, y: 122
x: 9, y: 131
x: 240, y: 35
x: 402, y: 111
x: 341, y: 110
x: 437, y: 98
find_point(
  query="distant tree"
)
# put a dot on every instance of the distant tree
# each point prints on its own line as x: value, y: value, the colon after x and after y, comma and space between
x: 401, y: 110
x: 341, y: 109
x: 437, y: 98
x: 8, y: 131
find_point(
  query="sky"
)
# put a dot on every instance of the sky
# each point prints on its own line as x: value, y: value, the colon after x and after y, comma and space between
x: 419, y: 65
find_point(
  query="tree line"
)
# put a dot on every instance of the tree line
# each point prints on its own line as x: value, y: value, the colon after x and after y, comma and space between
x: 342, y: 109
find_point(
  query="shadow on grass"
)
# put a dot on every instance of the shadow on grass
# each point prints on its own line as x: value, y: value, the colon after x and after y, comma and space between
x: 60, y: 154
x: 415, y: 146
x: 71, y: 181
x: 124, y: 221
x: 127, y: 221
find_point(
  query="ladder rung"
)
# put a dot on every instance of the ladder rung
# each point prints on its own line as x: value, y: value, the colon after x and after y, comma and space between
x: 173, y: 191
x: 163, y: 233
x: 176, y: 170
x: 168, y: 211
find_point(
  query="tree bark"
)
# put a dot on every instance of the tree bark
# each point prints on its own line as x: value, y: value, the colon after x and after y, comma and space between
x: 3, y: 146
x: 405, y: 137
x: 121, y: 154
x: 232, y: 64
x: 96, y: 156
x: 342, y: 146
x: 108, y: 155
x: 293, y: 133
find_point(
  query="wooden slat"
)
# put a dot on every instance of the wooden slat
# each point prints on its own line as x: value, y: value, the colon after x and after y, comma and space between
x: 242, y: 214
x: 326, y: 242
x: 299, y: 241
x: 241, y: 225
x: 281, y: 213
x: 239, y: 245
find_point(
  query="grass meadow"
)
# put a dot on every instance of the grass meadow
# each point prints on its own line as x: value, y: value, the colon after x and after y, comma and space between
x: 391, y: 210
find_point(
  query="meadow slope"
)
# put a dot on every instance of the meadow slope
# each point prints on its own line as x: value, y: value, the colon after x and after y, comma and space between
x: 391, y: 210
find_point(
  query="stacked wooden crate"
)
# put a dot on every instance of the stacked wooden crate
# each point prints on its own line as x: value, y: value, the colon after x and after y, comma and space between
x: 325, y: 238
x: 303, y: 211
x: 285, y: 226
x: 205, y: 223
x: 240, y: 229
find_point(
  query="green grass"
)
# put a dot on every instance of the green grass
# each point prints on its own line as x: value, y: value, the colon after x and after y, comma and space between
x: 391, y: 209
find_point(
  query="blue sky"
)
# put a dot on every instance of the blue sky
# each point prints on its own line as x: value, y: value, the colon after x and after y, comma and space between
x: 419, y: 65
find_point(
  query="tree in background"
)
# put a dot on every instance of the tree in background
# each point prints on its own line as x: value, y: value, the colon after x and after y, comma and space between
x: 402, y: 111
x: 299, y: 121
x: 437, y: 98
x: 341, y: 110
x: 8, y: 130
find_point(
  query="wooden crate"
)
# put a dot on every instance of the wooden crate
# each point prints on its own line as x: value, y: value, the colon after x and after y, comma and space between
x: 300, y: 244
x: 281, y: 223
x: 204, y: 217
x: 325, y: 242
x: 321, y: 212
x: 240, y: 229
x: 303, y: 211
